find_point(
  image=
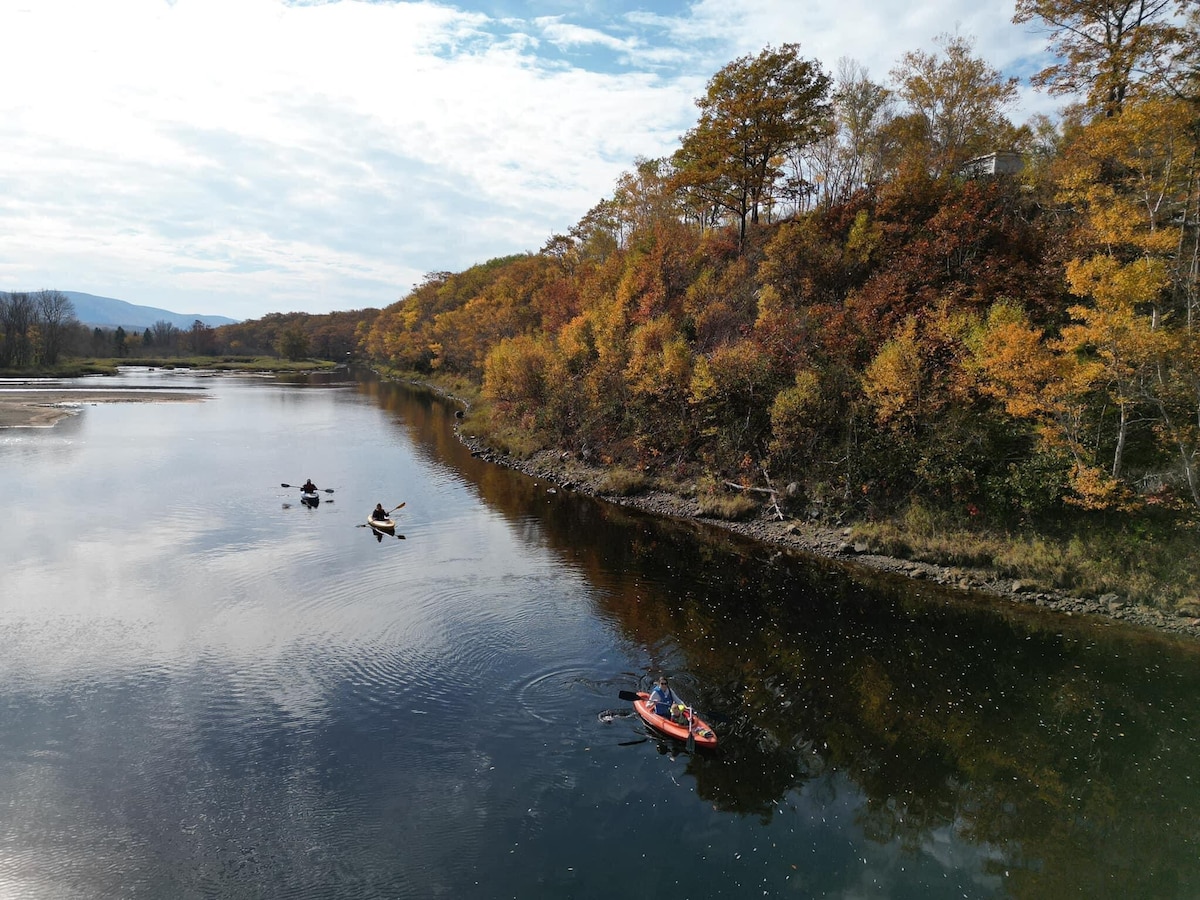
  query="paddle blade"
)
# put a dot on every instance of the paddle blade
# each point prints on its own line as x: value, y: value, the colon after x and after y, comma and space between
x: 628, y: 695
x: 401, y: 506
x: 327, y: 490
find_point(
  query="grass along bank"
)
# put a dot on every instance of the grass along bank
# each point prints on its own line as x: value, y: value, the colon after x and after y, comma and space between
x: 1146, y: 562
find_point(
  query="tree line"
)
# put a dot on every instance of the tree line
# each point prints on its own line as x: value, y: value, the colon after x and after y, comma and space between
x: 35, y: 328
x: 39, y: 329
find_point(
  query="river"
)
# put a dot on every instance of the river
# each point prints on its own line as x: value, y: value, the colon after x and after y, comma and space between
x: 208, y: 689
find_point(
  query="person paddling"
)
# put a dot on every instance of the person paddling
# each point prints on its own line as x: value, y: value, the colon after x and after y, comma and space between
x: 661, y: 697
x: 379, y: 514
x: 309, y: 487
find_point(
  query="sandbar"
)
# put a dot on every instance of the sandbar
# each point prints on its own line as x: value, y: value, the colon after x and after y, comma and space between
x: 43, y: 407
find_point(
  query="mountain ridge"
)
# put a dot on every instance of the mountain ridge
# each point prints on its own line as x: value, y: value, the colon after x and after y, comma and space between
x: 109, y: 312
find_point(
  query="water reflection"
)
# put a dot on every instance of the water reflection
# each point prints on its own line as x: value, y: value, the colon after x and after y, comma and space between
x: 1060, y: 749
x: 210, y: 690
x: 1056, y: 745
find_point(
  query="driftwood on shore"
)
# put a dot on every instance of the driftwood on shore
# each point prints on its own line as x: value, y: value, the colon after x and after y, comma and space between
x: 769, y: 491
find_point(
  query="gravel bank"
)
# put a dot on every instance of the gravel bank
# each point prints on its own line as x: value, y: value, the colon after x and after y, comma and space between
x: 570, y: 473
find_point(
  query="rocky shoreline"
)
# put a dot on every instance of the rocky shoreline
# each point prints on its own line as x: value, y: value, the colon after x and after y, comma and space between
x: 570, y: 473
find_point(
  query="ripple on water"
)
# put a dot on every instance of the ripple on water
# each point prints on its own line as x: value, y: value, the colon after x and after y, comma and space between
x: 548, y: 694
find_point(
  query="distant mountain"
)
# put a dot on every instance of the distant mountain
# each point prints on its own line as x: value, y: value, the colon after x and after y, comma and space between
x: 105, y: 312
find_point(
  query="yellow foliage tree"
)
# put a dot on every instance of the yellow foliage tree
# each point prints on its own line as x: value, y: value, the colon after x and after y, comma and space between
x: 1132, y: 178
x: 893, y: 381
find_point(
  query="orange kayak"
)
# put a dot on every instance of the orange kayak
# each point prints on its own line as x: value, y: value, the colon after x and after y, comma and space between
x: 704, y: 736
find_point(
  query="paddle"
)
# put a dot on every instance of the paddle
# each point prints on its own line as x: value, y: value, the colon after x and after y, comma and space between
x: 372, y: 518
x: 375, y: 530
x: 628, y: 695
x: 326, y: 490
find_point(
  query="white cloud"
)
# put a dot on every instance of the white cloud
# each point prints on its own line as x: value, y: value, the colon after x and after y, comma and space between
x: 246, y: 156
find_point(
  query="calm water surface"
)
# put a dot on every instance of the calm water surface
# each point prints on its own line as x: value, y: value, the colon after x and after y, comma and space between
x: 209, y: 690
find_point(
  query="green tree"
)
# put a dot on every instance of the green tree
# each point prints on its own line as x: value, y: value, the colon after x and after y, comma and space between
x: 293, y: 342
x: 755, y: 111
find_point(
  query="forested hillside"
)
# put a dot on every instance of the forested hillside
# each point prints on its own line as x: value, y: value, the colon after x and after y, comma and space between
x: 817, y: 286
x: 889, y: 296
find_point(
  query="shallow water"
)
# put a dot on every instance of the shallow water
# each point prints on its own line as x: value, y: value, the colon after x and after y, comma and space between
x: 207, y: 689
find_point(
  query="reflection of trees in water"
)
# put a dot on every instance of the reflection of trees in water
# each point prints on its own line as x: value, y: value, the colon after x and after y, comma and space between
x: 1062, y: 749
x: 1067, y: 755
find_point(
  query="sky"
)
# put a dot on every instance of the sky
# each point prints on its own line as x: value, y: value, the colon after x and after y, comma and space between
x: 243, y: 157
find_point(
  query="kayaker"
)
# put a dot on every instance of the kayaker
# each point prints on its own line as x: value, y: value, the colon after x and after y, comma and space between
x: 379, y: 514
x: 661, y: 697
x: 309, y: 487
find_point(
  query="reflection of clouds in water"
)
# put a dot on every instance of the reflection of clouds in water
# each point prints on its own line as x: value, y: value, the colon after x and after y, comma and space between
x: 888, y: 870
x: 830, y: 809
x: 240, y: 676
x: 285, y: 618
x: 957, y: 855
x: 57, y: 445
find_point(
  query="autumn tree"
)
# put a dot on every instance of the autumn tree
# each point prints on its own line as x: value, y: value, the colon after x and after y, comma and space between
x: 201, y: 338
x: 1104, y: 47
x: 854, y: 152
x: 1132, y: 180
x: 659, y: 375
x: 644, y: 197
x: 731, y: 392
x: 956, y: 104
x: 514, y: 379
x: 755, y: 110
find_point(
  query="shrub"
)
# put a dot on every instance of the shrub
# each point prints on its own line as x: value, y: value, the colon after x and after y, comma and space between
x: 621, y: 482
x: 731, y: 507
